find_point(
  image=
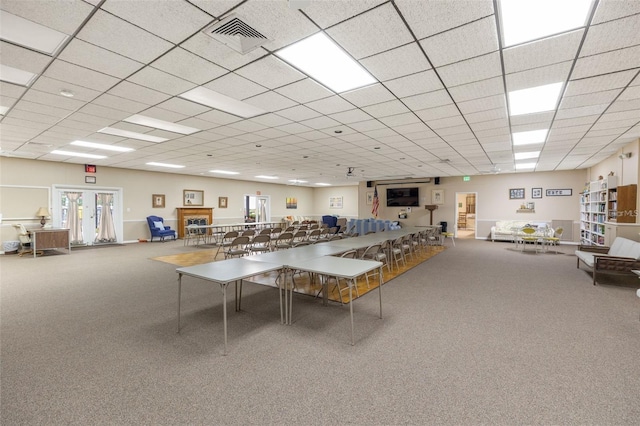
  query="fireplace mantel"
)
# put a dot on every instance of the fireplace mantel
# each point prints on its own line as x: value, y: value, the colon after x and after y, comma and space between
x: 184, y: 213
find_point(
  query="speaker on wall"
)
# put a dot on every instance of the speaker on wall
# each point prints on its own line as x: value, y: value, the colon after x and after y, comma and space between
x: 436, y: 181
x: 369, y: 184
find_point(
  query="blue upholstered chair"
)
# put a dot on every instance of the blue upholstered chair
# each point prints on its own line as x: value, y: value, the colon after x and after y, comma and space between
x: 159, y: 229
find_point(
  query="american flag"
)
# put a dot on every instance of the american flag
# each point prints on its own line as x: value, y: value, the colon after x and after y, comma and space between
x: 376, y: 203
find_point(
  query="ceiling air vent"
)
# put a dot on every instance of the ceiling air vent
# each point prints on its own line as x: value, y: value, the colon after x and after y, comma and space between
x: 236, y: 34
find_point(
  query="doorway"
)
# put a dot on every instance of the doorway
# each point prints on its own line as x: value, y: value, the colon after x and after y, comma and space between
x: 257, y: 208
x: 93, y: 215
x: 465, y: 225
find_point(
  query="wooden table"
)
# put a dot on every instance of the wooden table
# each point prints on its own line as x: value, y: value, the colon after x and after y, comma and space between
x: 50, y: 239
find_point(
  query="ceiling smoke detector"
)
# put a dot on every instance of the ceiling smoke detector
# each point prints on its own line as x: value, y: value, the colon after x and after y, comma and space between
x: 236, y: 34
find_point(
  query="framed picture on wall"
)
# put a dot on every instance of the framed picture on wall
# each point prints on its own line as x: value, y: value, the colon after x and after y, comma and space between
x: 437, y: 196
x: 157, y: 201
x: 536, y: 192
x: 192, y: 197
x: 369, y: 198
x: 222, y: 202
x: 516, y: 193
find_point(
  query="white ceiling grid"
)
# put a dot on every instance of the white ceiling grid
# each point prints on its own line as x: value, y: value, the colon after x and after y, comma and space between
x: 441, y: 76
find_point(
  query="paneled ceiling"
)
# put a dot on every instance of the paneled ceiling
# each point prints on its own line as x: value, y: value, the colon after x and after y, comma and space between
x: 438, y: 106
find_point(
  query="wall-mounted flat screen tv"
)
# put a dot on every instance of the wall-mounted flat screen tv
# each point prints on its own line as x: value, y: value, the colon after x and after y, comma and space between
x: 402, y: 197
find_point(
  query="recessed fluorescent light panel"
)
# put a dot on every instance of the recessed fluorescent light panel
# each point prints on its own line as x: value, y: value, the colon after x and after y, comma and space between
x: 216, y: 100
x: 266, y: 177
x: 161, y: 124
x: 101, y: 146
x: 3, y: 110
x: 526, y: 20
x: 132, y: 135
x: 323, y: 184
x: 171, y: 166
x: 224, y: 172
x: 297, y: 181
x: 525, y: 166
x: 16, y: 76
x: 526, y: 155
x: 530, y: 137
x: 534, y: 99
x: 323, y: 60
x: 77, y: 154
x: 29, y: 34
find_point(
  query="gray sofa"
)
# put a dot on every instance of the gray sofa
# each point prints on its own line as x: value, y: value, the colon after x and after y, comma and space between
x: 621, y: 258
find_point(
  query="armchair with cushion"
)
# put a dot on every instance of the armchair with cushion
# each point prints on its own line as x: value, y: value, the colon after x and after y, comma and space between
x: 621, y: 258
x: 159, y: 229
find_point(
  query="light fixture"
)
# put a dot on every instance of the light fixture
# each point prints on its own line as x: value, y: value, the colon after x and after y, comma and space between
x: 525, y: 166
x: 323, y: 60
x: 526, y: 155
x: 297, y: 181
x: 16, y: 76
x: 224, y: 172
x: 3, y: 110
x: 27, y: 33
x: 77, y: 154
x: 67, y: 93
x: 171, y: 166
x: 323, y: 184
x: 267, y: 177
x: 216, y: 100
x: 131, y: 135
x: 526, y: 20
x: 624, y: 155
x: 42, y: 213
x: 101, y: 146
x: 529, y: 137
x: 534, y: 99
x: 161, y: 124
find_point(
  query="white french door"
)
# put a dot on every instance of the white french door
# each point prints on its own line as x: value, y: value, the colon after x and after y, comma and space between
x: 257, y: 208
x: 94, y: 215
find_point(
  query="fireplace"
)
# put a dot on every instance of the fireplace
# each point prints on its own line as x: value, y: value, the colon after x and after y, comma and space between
x: 193, y: 215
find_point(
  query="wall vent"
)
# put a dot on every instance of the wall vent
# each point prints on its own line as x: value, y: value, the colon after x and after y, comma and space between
x: 236, y: 34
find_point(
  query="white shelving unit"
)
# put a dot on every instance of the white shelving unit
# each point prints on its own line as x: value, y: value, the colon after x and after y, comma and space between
x: 594, y: 210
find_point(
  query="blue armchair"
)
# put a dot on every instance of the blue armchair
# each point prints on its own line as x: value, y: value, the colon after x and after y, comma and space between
x: 159, y: 229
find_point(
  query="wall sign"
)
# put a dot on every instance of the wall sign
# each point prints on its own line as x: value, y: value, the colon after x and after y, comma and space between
x: 559, y: 192
x: 90, y: 168
x: 516, y: 193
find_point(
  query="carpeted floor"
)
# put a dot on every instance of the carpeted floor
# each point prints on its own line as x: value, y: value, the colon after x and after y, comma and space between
x: 479, y: 334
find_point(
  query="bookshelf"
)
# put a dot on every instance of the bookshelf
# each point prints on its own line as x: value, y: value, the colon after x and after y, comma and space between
x: 595, y: 210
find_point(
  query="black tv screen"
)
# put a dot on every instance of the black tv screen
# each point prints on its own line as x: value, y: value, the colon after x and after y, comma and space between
x: 402, y: 197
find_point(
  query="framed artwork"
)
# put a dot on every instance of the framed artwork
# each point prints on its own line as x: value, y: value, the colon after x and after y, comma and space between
x: 222, y: 202
x: 559, y: 192
x: 536, y: 192
x: 437, y: 196
x: 369, y: 198
x: 157, y: 201
x: 192, y: 197
x: 292, y: 202
x: 516, y: 193
x: 89, y: 179
x: 336, y: 202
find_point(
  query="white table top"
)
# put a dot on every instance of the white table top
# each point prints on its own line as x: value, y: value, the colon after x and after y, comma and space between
x: 224, y: 271
x: 283, y: 257
x: 336, y: 266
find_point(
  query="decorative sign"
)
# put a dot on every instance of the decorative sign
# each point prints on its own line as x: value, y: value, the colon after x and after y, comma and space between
x: 516, y: 193
x: 536, y: 192
x: 336, y: 202
x: 89, y: 179
x: 559, y: 192
x: 466, y: 178
x: 90, y: 168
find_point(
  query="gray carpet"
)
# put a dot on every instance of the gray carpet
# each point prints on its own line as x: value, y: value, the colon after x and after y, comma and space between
x: 480, y: 334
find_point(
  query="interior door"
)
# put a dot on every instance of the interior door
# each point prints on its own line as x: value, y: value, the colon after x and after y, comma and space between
x: 94, y: 216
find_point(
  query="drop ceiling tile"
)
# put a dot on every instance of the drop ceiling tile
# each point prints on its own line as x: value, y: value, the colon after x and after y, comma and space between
x: 471, y: 70
x: 74, y: 74
x: 427, y: 100
x: 161, y: 81
x: 331, y: 105
x: 368, y: 125
x: 23, y: 59
x: 183, y: 106
x: 188, y: 66
x: 13, y: 90
x: 56, y: 100
x: 486, y: 115
x: 270, y: 120
x: 612, y: 35
x: 93, y: 57
x: 478, y: 89
x: 270, y: 72
x: 400, y: 119
x: 114, y: 34
x: 589, y: 99
x: 163, y: 114
x: 548, y: 51
x: 467, y: 41
x: 374, y: 31
x: 621, y: 105
x: 414, y: 84
x: 32, y: 116
x: 398, y: 62
x: 298, y: 113
x: 331, y: 12
x: 385, y: 109
x: 320, y: 123
x: 351, y: 116
x: 577, y: 121
x: 294, y: 128
x: 303, y: 91
x: 433, y: 17
x: 630, y: 93
x: 538, y: 76
x: 219, y: 117
x: 173, y: 21
x: 599, y: 83
x: 369, y: 95
x: 247, y: 126
x: 580, y: 112
x: 617, y: 60
x: 501, y: 123
x: 136, y: 92
x: 475, y: 105
x: 609, y: 10
x: 94, y: 120
x: 65, y: 16
x: 119, y: 103
x: 621, y: 115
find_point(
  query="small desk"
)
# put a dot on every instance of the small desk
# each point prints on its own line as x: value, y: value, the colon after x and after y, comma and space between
x: 224, y: 272
x: 49, y: 239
